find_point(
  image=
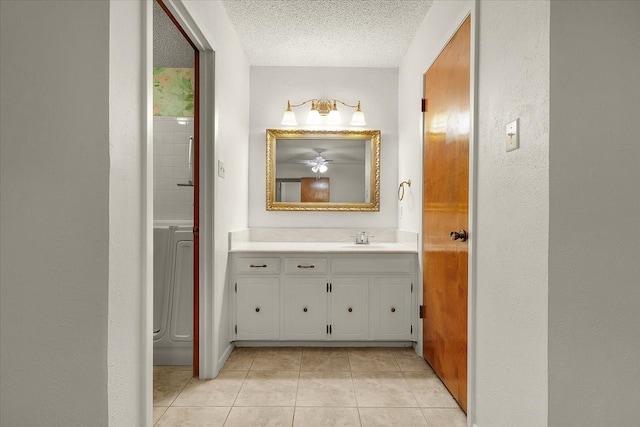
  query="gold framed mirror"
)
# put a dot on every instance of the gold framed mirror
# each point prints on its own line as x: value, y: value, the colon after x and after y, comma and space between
x: 323, y: 170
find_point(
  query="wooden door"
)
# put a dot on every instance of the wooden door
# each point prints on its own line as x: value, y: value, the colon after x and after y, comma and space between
x: 445, y: 210
x: 314, y: 189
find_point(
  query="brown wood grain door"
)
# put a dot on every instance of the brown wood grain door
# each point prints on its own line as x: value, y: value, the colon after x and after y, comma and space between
x: 314, y: 189
x: 445, y: 209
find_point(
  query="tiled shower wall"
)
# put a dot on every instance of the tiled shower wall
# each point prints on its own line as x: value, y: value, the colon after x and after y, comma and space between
x: 170, y: 168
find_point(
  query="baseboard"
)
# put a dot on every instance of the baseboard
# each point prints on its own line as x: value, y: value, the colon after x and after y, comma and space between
x: 176, y: 356
x: 323, y: 343
x: 223, y: 358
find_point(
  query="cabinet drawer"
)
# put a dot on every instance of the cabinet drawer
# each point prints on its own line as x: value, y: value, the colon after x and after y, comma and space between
x: 246, y: 265
x: 305, y: 265
x: 370, y: 265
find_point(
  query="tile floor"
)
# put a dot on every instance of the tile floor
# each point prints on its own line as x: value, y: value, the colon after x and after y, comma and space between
x: 307, y: 387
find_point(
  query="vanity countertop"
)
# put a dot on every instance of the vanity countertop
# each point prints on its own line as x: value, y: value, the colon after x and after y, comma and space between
x: 323, y: 247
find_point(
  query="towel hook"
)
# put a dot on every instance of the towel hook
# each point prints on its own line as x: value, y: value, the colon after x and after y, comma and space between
x: 401, y: 188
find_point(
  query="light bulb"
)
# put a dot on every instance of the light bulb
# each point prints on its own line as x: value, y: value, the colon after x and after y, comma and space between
x: 289, y: 117
x: 313, y: 118
x: 315, y: 169
x: 334, y: 117
x: 358, y: 117
x: 322, y: 168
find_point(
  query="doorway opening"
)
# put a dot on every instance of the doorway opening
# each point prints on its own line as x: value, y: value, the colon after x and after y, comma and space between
x: 176, y: 193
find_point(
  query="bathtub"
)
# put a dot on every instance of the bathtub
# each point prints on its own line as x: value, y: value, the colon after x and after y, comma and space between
x: 172, y: 293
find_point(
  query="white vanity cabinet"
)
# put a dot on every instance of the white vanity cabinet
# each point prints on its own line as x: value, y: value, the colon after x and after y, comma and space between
x: 391, y: 304
x: 257, y: 298
x: 304, y: 308
x: 324, y: 297
x: 349, y: 308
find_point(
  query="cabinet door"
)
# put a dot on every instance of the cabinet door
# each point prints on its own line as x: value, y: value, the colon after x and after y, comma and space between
x: 391, y: 308
x: 305, y: 308
x: 257, y: 308
x: 349, y: 308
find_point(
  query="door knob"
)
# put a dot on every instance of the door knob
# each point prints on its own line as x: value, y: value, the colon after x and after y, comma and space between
x: 459, y: 235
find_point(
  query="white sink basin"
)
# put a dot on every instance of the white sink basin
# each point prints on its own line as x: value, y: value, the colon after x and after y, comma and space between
x: 370, y: 246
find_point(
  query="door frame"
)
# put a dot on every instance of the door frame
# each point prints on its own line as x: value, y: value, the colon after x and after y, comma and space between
x: 207, y: 325
x: 473, y: 159
x: 195, y: 305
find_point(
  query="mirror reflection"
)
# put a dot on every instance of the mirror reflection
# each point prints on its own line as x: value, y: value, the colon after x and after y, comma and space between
x: 323, y: 170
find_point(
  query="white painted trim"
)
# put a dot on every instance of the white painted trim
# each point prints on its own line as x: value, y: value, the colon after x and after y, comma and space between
x: 147, y: 215
x: 473, y: 202
x: 189, y: 25
x: 208, y: 343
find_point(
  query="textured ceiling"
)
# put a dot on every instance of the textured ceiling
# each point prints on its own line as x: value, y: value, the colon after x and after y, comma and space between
x: 343, y: 33
x: 170, y: 49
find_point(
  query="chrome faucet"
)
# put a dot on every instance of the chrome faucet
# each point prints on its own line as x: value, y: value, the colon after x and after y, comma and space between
x: 362, y: 238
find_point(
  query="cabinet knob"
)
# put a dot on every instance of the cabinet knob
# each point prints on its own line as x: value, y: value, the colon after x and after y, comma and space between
x: 393, y: 309
x: 257, y: 309
x: 350, y: 309
x: 305, y: 309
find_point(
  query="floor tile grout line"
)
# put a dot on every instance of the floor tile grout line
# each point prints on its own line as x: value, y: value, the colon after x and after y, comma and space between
x: 235, y: 399
x: 355, y: 394
x: 163, y: 412
x: 404, y: 373
x: 180, y: 391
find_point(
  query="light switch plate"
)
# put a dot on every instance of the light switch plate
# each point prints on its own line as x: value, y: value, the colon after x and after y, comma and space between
x: 513, y: 135
x: 221, y: 169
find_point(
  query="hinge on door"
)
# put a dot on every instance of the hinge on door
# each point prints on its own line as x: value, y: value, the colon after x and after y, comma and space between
x: 424, y: 105
x: 411, y: 329
x: 412, y: 288
x: 236, y: 287
x: 421, y: 312
x: 236, y: 329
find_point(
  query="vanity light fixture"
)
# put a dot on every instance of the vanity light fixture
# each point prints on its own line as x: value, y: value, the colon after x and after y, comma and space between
x: 320, y: 108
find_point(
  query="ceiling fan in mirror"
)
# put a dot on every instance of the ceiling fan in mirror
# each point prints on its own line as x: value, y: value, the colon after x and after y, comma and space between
x: 318, y: 164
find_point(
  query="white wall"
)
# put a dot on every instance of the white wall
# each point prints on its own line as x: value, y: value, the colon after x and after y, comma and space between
x: 129, y: 350
x: 512, y: 229
x: 594, y: 242
x: 376, y: 88
x: 72, y: 238
x: 511, y: 236
x: 54, y: 204
x: 440, y: 24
